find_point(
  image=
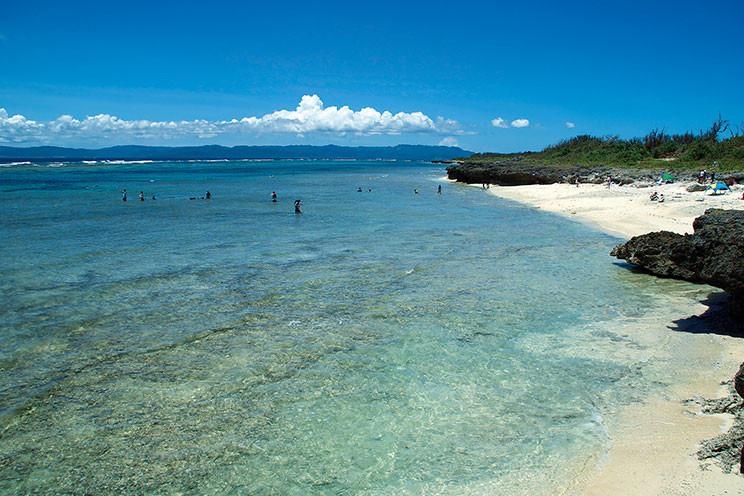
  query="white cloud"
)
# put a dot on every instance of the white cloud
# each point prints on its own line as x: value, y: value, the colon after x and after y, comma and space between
x: 310, y: 116
x: 520, y: 123
x: 570, y: 125
x: 499, y: 122
x: 448, y: 141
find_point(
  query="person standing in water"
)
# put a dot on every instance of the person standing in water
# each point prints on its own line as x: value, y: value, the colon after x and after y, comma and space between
x: 439, y: 189
x: 142, y: 196
x: 297, y: 207
x: 124, y: 195
x: 273, y: 196
x: 209, y: 195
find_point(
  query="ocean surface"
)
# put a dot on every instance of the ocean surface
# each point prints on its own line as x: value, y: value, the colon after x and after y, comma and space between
x: 381, y: 342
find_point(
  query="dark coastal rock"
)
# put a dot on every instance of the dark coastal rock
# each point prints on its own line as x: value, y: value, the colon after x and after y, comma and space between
x: 518, y: 172
x: 713, y: 254
x: 725, y: 449
x: 696, y: 187
x: 507, y: 174
x: 739, y: 381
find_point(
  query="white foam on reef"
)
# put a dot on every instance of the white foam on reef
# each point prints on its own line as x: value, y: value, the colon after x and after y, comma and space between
x: 10, y: 164
x: 125, y: 162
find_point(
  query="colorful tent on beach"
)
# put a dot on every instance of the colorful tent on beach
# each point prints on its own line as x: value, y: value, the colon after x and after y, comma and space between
x: 667, y: 178
x: 719, y: 187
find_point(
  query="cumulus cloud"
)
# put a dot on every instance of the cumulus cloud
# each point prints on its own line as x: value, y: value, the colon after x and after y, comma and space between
x: 500, y: 122
x: 570, y: 125
x: 310, y: 116
x: 448, y: 141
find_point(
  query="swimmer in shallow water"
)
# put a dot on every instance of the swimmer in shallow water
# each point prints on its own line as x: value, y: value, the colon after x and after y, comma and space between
x: 273, y: 196
x: 297, y: 207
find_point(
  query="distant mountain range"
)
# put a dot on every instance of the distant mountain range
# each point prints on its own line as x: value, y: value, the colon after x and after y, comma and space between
x: 216, y: 152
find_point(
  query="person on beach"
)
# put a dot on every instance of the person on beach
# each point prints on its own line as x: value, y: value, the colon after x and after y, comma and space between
x: 124, y: 195
x: 273, y: 196
x: 297, y: 207
x: 701, y: 177
x: 142, y: 196
x: 654, y: 196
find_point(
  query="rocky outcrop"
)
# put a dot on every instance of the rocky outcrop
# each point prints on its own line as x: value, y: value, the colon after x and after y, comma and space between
x: 713, y: 254
x: 517, y: 172
x: 726, y: 449
x: 507, y: 174
x: 739, y: 381
x: 697, y: 187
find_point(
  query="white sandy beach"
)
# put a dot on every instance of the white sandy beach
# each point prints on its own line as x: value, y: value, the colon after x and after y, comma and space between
x: 653, y: 444
x: 625, y: 211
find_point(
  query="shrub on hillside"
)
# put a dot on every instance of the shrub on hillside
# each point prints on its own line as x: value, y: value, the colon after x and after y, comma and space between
x: 698, y: 150
x: 666, y: 149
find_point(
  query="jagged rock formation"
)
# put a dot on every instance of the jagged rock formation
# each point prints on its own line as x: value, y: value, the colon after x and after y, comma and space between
x: 725, y: 449
x: 739, y: 381
x: 515, y: 172
x: 713, y: 254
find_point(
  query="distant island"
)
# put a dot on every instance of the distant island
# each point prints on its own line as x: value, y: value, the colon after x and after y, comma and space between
x: 657, y: 150
x: 217, y: 152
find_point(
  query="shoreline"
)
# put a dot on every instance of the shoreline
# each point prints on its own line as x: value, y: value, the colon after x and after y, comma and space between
x: 654, y: 443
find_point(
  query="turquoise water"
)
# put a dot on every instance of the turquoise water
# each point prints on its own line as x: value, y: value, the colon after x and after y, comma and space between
x: 381, y: 342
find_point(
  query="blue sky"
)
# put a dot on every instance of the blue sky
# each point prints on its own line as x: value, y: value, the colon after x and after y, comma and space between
x: 102, y: 73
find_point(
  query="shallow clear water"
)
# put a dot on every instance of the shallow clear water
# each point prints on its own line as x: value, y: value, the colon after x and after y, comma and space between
x: 381, y: 342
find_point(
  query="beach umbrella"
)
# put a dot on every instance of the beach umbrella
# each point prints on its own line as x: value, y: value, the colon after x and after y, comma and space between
x: 719, y: 187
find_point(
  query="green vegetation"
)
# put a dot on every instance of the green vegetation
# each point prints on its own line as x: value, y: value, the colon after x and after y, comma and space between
x: 656, y: 149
